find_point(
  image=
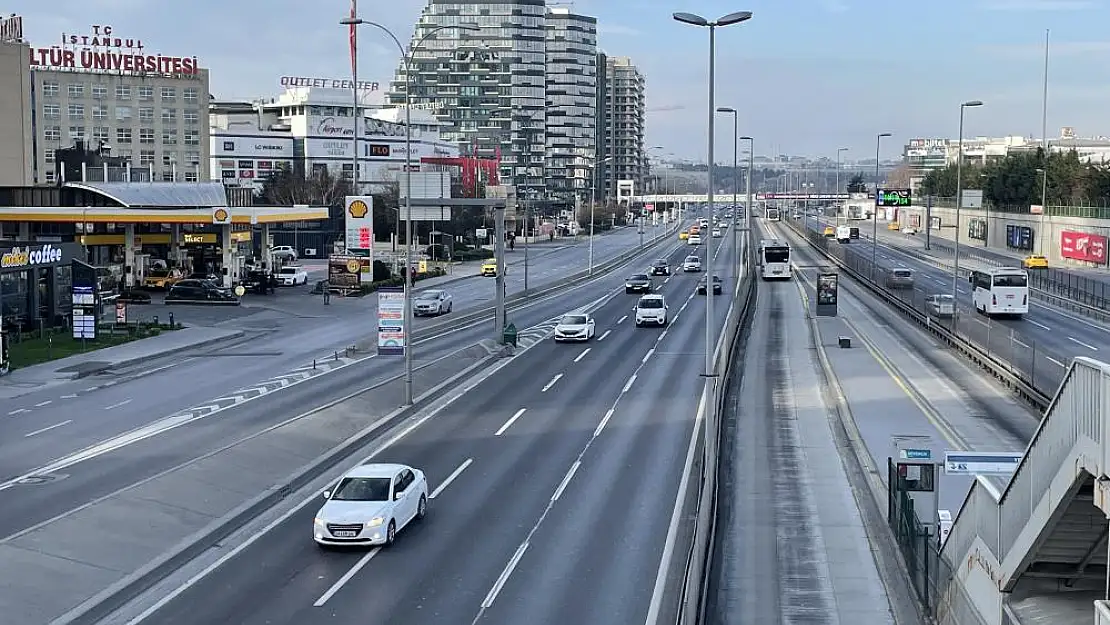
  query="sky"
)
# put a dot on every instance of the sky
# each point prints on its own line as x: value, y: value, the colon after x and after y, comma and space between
x: 807, y: 76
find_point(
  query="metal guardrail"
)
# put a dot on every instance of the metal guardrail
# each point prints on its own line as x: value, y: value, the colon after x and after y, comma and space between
x: 1035, y: 386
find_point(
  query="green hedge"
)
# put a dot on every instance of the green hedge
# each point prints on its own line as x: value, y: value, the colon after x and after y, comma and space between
x: 399, y: 281
x: 480, y: 253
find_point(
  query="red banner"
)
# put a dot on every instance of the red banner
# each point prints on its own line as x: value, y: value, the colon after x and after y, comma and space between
x: 353, y: 36
x: 1083, y: 246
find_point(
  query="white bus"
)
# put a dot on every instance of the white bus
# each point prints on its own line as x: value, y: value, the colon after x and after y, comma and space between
x: 773, y: 214
x: 774, y: 259
x: 1000, y: 291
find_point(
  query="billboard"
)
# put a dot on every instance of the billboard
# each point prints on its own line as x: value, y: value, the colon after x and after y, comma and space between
x: 1019, y: 237
x: 1083, y: 246
x: 893, y: 197
x: 391, y: 321
x: 358, y: 218
x: 240, y: 146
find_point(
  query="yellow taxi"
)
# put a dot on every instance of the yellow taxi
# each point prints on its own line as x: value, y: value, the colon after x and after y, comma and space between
x: 892, y: 225
x: 830, y: 231
x: 682, y: 236
x: 161, y: 278
x: 1035, y: 262
x: 489, y: 268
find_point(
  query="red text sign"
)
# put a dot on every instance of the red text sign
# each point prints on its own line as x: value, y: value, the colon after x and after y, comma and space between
x: 1083, y: 246
x: 101, y: 50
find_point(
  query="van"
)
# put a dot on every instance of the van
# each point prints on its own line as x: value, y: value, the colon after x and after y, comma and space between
x: 843, y: 234
x: 899, y: 278
x: 651, y: 310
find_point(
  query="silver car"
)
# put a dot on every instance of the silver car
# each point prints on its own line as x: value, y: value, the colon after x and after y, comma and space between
x: 941, y: 306
x: 432, y: 302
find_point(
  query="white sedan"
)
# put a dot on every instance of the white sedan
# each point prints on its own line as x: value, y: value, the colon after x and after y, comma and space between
x: 575, y: 327
x: 370, y: 504
x: 292, y: 275
x: 432, y: 302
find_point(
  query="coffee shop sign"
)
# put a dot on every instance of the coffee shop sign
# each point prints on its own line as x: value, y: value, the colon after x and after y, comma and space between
x: 30, y: 257
x: 330, y: 127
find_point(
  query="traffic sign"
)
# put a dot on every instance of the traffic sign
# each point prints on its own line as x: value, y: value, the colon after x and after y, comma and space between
x: 981, y: 462
x: 917, y: 454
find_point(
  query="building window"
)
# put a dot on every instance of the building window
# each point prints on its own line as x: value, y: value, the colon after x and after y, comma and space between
x: 146, y: 114
x: 76, y: 133
x: 169, y: 158
x: 99, y: 92
x: 100, y: 133
x: 48, y: 154
x: 123, y: 136
x: 146, y: 157
x: 191, y: 117
x: 50, y: 176
x: 76, y: 90
x: 123, y: 113
x: 169, y: 94
x: 146, y: 135
x: 167, y: 175
x: 192, y: 137
x: 49, y: 89
x: 190, y: 176
x: 52, y: 133
x: 190, y: 95
x: 100, y: 112
x: 123, y: 92
x: 169, y: 136
x: 146, y: 93
x: 124, y: 154
x: 169, y: 116
x: 76, y: 111
x: 51, y: 111
x: 192, y: 158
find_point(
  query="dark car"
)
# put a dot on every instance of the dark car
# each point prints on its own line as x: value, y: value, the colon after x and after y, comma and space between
x: 704, y: 282
x: 200, y: 292
x: 661, y: 267
x: 638, y: 283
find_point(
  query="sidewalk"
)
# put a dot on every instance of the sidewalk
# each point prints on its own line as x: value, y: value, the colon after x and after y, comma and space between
x: 34, y: 378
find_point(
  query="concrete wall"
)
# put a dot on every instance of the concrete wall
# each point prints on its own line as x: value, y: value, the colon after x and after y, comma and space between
x: 996, y: 229
x: 15, y: 114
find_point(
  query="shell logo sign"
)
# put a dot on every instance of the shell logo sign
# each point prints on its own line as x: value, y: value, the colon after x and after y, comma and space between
x: 221, y: 216
x: 358, y: 209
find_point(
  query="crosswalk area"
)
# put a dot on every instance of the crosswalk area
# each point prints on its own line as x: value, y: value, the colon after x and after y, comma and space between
x: 536, y: 333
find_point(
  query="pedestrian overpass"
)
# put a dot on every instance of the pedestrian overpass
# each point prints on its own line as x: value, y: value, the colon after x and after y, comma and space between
x: 1038, y: 544
x: 725, y: 197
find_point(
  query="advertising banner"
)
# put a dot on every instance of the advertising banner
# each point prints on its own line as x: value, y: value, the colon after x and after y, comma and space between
x: 391, y: 321
x: 358, y: 218
x: 1019, y: 237
x: 233, y: 147
x: 1083, y: 246
x: 345, y: 272
x: 893, y: 197
x: 826, y: 295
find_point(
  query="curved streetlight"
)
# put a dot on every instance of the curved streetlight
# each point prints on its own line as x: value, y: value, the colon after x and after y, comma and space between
x: 406, y: 59
x: 875, y: 209
x: 959, y: 200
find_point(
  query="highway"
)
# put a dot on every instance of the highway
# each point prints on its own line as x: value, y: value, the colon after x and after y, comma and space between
x: 554, y: 483
x: 1041, y: 344
x: 158, y: 424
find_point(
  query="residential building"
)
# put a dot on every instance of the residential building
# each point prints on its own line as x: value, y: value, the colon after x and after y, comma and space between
x: 571, y: 103
x: 621, y: 124
x: 487, y: 86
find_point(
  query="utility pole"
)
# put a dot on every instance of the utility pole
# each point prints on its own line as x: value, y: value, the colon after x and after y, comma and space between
x: 499, y: 256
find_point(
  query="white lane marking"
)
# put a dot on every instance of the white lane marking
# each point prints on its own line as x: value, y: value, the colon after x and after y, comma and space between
x: 90, y: 389
x: 1053, y: 360
x: 44, y: 403
x: 48, y: 428
x: 582, y: 355
x: 70, y: 396
x: 450, y: 478
x: 621, y: 320
x: 602, y: 337
x: 1078, y: 342
x: 604, y: 421
x: 981, y: 322
x: 548, y: 386
x: 662, y: 335
x: 510, y: 422
x: 363, y: 561
x: 1059, y: 311
x: 1020, y: 343
x: 17, y: 411
x: 566, y: 480
x: 648, y: 355
x: 1039, y: 325
x: 628, y: 384
x: 117, y: 405
x: 504, y: 577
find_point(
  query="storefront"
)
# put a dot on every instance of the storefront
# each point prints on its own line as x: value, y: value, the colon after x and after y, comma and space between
x: 36, y: 283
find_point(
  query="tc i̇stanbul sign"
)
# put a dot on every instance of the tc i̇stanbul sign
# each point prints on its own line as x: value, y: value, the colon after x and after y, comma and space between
x: 102, y: 50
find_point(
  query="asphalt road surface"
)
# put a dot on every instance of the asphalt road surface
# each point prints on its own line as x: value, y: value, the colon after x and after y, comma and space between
x: 554, y: 484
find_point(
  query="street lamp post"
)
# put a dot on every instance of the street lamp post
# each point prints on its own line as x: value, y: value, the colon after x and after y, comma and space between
x: 959, y: 201
x: 836, y: 193
x: 735, y: 177
x: 875, y: 209
x: 406, y: 59
x: 748, y: 249
x: 593, y: 203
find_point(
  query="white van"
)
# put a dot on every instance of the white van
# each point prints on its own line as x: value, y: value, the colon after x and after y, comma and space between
x: 651, y: 310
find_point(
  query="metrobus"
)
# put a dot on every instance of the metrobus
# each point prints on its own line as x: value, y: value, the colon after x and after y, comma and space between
x: 774, y: 259
x: 772, y: 214
x: 1000, y: 291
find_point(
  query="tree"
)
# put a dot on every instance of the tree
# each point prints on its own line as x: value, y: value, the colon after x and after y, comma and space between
x: 899, y: 177
x: 286, y: 187
x: 856, y: 184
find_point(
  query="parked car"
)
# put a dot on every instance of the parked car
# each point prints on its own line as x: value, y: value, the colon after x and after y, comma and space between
x: 200, y: 292
x: 292, y: 275
x: 432, y: 302
x: 160, y: 278
x: 284, y: 253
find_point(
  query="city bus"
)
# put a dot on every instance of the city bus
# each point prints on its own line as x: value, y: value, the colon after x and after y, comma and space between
x: 1000, y: 291
x: 773, y: 214
x: 774, y: 259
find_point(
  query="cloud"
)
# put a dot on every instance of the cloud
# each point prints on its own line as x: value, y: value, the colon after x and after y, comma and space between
x: 1056, y: 50
x: 1037, y: 5
x: 616, y: 29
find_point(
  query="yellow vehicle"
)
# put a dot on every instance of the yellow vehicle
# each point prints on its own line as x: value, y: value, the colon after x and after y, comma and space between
x: 1034, y: 262
x: 892, y: 225
x: 489, y: 268
x: 161, y: 278
x: 830, y: 232
x: 682, y: 236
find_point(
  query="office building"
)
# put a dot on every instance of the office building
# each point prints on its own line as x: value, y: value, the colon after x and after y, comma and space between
x: 620, y: 126
x: 571, y: 103
x: 488, y: 86
x: 16, y: 133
